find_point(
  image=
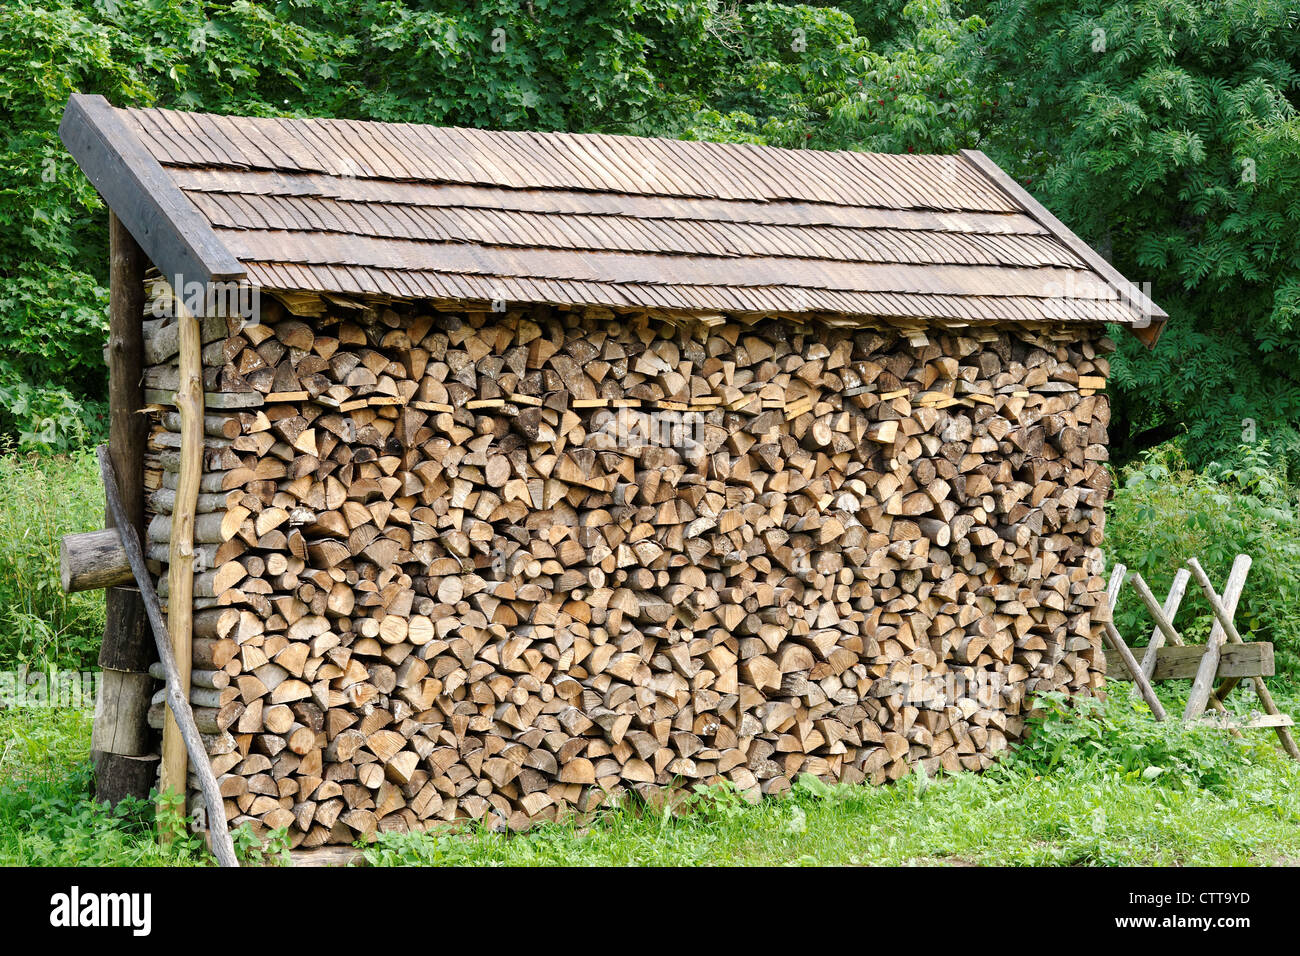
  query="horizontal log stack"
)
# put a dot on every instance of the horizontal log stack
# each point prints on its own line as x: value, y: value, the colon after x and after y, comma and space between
x: 457, y: 563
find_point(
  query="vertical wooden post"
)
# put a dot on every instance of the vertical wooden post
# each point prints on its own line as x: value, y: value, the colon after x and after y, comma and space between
x: 121, y: 744
x: 180, y: 571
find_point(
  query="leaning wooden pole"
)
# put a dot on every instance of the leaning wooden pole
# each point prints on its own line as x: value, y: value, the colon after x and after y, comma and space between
x: 180, y: 565
x: 1172, y: 603
x: 122, y: 747
x: 1164, y: 625
x: 1200, y: 696
x: 177, y: 699
x: 1120, y: 647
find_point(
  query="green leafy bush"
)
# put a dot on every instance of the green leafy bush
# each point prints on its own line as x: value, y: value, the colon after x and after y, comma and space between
x: 1165, y: 133
x: 1163, y: 513
x: 1083, y: 734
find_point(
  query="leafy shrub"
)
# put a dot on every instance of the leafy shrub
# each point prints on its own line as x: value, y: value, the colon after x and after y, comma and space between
x: 720, y: 803
x: 1163, y: 513
x: 451, y: 845
x: 1165, y: 132
x: 57, y: 823
x: 1077, y: 735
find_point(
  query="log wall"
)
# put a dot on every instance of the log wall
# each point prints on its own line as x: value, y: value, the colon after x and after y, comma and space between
x: 474, y: 564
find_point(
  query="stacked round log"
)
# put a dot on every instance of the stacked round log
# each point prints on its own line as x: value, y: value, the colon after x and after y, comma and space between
x: 509, y: 565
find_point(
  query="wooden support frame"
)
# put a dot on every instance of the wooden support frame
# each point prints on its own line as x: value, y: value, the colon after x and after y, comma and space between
x: 1164, y: 623
x: 1217, y: 658
x: 1261, y: 689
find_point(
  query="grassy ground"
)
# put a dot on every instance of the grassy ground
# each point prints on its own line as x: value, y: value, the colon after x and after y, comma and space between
x: 1104, y: 788
x: 1096, y: 788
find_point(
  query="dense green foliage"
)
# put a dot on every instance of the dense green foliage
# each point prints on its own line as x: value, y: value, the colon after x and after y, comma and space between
x: 1164, y: 131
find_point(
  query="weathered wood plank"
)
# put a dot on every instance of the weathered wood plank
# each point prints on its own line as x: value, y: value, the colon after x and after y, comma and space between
x: 1180, y: 663
x: 1135, y: 297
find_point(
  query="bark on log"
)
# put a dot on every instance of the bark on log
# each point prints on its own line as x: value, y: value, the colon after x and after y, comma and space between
x: 91, y: 560
x: 180, y: 571
x: 126, y: 645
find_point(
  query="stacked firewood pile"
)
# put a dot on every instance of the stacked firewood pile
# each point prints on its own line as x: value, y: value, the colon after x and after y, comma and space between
x: 506, y: 565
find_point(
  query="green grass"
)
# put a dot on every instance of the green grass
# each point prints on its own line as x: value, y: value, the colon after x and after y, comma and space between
x: 44, y: 499
x: 1011, y: 819
x: 46, y: 815
x: 1083, y: 793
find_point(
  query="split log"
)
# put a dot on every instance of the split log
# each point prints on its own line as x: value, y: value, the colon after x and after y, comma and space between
x: 92, y: 560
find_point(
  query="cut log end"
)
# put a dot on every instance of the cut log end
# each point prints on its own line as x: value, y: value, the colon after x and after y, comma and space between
x: 92, y: 560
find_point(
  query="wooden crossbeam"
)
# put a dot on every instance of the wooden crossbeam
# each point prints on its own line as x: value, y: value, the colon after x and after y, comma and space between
x: 1262, y: 722
x: 1255, y: 659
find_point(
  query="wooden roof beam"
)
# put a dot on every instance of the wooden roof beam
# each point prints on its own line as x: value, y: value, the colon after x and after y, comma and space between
x: 1128, y: 291
x: 175, y: 236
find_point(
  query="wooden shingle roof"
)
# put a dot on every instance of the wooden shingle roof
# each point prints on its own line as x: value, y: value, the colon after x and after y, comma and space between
x: 342, y: 206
